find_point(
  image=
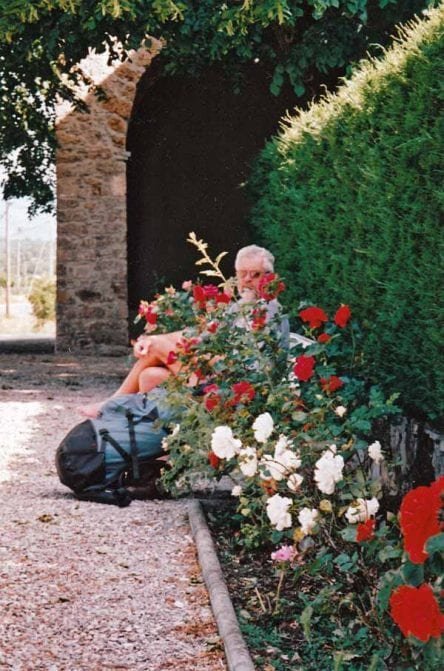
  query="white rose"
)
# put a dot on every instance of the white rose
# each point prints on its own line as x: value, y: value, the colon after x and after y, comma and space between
x: 270, y: 468
x: 277, y: 511
x: 294, y: 482
x: 285, y: 455
x: 223, y: 444
x: 248, y: 461
x: 175, y: 430
x: 289, y: 460
x: 362, y: 510
x: 307, y: 519
x: 375, y: 452
x: 328, y: 470
x: 284, y: 460
x: 236, y: 491
x: 340, y: 410
x: 293, y: 384
x: 263, y: 427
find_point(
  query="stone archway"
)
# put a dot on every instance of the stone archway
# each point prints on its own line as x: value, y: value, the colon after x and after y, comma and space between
x: 200, y: 138
x: 92, y: 306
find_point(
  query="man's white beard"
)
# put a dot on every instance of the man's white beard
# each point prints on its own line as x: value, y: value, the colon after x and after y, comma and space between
x: 248, y: 295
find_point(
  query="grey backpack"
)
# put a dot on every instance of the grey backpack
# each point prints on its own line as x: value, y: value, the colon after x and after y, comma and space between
x: 115, y: 458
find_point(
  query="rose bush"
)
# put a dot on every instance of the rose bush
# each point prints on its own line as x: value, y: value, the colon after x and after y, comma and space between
x: 293, y: 429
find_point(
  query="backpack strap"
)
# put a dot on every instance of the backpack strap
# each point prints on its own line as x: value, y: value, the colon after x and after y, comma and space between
x: 99, y: 494
x: 150, y: 416
x: 133, y: 445
x: 107, y: 438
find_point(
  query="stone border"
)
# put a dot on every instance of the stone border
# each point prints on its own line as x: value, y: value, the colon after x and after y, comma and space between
x: 236, y: 651
x: 30, y: 344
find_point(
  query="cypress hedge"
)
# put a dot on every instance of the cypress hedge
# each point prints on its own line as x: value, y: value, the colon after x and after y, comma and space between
x: 349, y: 196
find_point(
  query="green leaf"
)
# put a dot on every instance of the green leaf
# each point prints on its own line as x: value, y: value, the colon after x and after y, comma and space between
x: 276, y: 536
x: 389, y: 553
x: 390, y: 581
x: 349, y: 534
x: 340, y: 656
x: 299, y: 89
x: 374, y: 663
x: 305, y: 621
x: 435, y: 544
x: 413, y: 573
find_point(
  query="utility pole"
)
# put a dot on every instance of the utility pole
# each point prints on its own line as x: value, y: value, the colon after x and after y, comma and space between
x: 7, y: 263
x: 18, y: 265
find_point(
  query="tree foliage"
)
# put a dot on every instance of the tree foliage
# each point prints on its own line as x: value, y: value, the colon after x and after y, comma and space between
x: 42, y: 298
x: 42, y: 41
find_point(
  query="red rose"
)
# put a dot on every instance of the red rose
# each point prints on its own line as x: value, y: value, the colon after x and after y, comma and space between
x: 147, y: 312
x: 171, y: 358
x: 365, y: 530
x: 211, y: 401
x: 304, y: 367
x: 212, y: 398
x: 199, y: 295
x: 243, y: 393
x: 270, y: 286
x: 212, y: 327
x: 186, y: 345
x: 143, y: 307
x: 342, y: 316
x: 416, y: 612
x: 419, y: 518
x: 213, y: 460
x: 324, y: 338
x: 259, y: 319
x: 210, y: 291
x: 314, y: 316
x: 223, y: 298
x: 333, y: 383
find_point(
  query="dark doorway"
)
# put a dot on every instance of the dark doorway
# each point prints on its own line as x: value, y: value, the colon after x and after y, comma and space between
x: 192, y: 141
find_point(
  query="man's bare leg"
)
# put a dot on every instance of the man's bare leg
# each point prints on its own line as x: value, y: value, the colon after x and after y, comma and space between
x: 156, y: 357
x: 152, y: 377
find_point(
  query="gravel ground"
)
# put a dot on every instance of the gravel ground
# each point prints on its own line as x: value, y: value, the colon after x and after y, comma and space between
x: 83, y: 586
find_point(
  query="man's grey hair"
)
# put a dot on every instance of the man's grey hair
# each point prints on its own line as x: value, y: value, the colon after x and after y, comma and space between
x: 254, y: 250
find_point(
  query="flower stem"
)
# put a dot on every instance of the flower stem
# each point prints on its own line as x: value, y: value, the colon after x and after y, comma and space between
x: 278, y: 591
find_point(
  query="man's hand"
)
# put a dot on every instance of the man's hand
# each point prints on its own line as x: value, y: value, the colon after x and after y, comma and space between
x: 141, y: 346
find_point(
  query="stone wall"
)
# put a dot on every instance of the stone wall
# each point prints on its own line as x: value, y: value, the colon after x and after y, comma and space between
x: 92, y: 307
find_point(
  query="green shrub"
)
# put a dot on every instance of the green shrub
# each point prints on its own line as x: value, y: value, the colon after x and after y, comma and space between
x: 349, y: 198
x: 42, y: 298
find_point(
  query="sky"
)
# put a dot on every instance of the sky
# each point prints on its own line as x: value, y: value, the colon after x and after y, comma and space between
x: 21, y: 226
x: 40, y: 227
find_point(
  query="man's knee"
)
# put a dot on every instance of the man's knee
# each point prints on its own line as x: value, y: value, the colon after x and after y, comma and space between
x: 151, y: 377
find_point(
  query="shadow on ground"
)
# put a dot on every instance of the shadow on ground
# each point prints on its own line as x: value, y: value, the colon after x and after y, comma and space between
x: 56, y: 371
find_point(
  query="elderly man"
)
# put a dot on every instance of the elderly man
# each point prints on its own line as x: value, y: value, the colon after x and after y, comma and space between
x: 152, y: 367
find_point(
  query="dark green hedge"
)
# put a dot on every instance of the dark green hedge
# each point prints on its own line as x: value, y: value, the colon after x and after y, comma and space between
x: 350, y: 198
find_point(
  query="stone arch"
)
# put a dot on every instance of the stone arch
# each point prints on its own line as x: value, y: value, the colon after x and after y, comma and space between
x: 91, y: 164
x: 92, y: 306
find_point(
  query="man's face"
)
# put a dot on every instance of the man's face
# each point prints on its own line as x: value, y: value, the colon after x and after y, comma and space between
x: 249, y: 273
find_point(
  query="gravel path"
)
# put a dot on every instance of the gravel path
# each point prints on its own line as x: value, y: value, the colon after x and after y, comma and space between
x: 83, y: 586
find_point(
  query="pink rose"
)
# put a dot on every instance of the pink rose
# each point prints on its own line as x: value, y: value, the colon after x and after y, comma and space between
x: 285, y: 553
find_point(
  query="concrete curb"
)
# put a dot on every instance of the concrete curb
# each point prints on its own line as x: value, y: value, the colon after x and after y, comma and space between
x: 236, y: 651
x: 29, y: 345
